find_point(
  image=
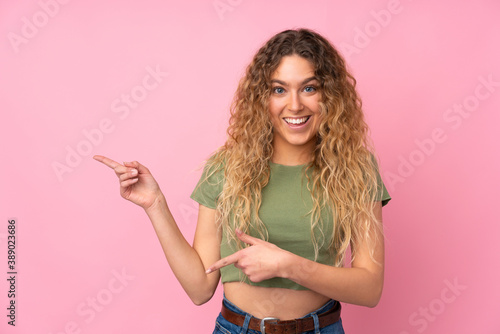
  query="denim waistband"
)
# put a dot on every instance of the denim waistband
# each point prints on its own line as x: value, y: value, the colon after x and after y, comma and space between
x: 329, y: 305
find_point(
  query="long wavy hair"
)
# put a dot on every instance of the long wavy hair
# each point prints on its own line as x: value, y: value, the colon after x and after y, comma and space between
x: 343, y: 169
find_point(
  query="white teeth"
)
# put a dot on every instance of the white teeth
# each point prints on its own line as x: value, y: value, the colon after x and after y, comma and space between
x: 296, y: 120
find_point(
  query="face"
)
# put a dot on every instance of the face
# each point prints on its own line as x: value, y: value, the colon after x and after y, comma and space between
x: 294, y: 106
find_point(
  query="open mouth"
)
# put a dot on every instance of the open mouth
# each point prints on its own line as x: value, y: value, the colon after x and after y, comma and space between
x: 296, y: 121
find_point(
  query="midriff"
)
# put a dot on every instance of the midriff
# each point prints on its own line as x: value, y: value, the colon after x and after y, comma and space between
x: 284, y: 304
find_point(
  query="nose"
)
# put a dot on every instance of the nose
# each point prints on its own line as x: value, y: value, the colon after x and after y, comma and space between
x: 294, y: 102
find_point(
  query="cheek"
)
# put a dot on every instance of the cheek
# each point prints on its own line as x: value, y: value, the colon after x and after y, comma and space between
x: 274, y: 121
x: 272, y: 105
x: 317, y: 112
x: 318, y: 121
x: 273, y: 111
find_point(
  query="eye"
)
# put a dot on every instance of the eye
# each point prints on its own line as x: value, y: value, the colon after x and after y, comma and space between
x: 309, y: 89
x: 278, y: 90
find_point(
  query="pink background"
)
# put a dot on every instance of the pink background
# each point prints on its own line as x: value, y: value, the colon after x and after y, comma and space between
x: 64, y: 70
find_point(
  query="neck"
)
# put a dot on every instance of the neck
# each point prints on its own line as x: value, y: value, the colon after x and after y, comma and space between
x: 291, y: 155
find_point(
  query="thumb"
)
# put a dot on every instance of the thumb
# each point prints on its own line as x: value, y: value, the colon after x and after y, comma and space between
x: 246, y: 238
x: 140, y: 168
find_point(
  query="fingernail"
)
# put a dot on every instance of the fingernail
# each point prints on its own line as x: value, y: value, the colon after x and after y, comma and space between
x: 134, y: 171
x: 208, y: 271
x: 238, y: 231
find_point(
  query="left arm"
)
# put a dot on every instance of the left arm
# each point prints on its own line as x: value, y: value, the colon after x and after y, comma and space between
x: 361, y: 284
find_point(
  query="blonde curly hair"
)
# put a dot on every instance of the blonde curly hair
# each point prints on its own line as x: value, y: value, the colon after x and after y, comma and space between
x: 343, y: 170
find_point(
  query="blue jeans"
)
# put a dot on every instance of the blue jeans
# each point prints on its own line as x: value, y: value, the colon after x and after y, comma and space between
x: 222, y: 326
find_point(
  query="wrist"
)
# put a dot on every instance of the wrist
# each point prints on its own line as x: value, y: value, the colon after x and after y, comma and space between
x: 298, y: 269
x: 287, y: 265
x: 159, y: 204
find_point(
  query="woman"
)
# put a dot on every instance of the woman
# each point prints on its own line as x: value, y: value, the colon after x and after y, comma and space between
x: 295, y: 185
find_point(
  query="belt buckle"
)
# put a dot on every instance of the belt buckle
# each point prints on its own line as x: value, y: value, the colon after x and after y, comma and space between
x: 263, y: 323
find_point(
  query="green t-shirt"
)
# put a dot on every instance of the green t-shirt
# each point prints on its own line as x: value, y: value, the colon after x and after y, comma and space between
x: 285, y: 211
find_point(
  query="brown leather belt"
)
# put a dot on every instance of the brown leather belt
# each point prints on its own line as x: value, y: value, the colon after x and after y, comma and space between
x: 276, y: 326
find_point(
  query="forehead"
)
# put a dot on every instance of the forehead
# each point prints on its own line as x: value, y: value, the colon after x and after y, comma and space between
x: 293, y: 66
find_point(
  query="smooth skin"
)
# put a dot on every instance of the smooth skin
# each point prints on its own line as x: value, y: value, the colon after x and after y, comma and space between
x: 295, y: 95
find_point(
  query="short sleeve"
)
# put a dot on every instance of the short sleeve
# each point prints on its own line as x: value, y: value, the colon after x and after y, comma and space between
x: 382, y: 193
x: 209, y: 187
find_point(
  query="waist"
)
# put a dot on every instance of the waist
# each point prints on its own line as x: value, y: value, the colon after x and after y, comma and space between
x: 326, y: 315
x: 280, y: 303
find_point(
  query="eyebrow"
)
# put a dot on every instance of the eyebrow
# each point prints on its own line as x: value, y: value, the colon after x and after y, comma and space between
x: 285, y: 84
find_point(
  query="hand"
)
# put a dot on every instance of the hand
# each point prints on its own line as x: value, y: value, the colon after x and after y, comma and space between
x: 262, y: 260
x: 136, y: 182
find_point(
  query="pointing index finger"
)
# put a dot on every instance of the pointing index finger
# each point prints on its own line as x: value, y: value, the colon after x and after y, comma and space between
x: 107, y: 161
x: 231, y: 259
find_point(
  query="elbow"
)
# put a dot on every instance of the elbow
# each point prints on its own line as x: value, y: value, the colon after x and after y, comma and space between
x: 375, y: 288
x: 372, y: 303
x: 199, y: 302
x: 201, y: 292
x: 374, y: 297
x: 201, y: 298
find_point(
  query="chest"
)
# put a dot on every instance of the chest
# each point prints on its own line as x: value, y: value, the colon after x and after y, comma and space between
x: 286, y: 210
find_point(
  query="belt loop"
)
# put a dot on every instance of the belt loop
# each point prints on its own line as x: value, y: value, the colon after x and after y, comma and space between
x: 316, y: 323
x: 244, y: 328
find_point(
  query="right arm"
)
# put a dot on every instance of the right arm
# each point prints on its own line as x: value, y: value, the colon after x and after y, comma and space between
x: 187, y: 262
